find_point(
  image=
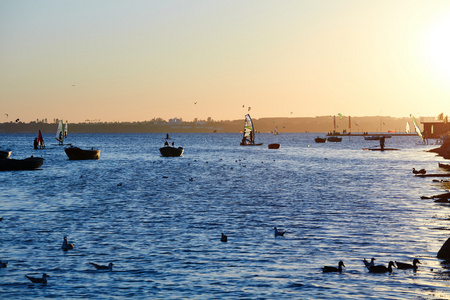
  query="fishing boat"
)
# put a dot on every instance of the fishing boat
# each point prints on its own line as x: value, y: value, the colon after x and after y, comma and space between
x: 334, y: 139
x: 248, y: 139
x: 75, y: 153
x: 5, y: 153
x: 30, y: 163
x: 320, y: 140
x: 168, y: 151
x: 60, y: 133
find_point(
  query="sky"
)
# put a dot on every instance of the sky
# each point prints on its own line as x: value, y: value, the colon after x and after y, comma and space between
x: 118, y: 60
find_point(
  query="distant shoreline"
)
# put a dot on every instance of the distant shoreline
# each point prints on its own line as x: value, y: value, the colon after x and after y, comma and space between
x: 323, y: 124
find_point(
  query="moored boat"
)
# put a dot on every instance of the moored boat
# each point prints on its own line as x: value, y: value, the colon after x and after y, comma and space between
x: 75, y: 153
x: 334, y: 139
x: 168, y: 151
x: 30, y: 163
x: 274, y: 146
x: 320, y: 140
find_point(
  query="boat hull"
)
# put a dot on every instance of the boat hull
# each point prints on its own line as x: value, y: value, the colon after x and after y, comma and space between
x: 334, y: 139
x: 75, y: 153
x: 246, y: 144
x: 168, y: 151
x: 320, y: 140
x: 30, y: 163
x: 5, y: 153
x: 274, y: 146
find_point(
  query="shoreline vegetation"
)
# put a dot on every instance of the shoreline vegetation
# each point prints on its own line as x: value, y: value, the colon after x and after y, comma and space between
x: 284, y: 125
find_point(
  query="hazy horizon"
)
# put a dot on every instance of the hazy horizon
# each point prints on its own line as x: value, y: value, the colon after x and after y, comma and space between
x: 120, y: 61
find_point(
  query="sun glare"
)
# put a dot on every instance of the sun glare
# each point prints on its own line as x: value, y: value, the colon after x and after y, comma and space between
x: 437, y: 45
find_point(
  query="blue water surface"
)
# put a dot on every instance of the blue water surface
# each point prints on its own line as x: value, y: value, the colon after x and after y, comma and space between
x: 159, y: 220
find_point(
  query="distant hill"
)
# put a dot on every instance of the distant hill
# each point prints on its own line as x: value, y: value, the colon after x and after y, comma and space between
x: 313, y: 124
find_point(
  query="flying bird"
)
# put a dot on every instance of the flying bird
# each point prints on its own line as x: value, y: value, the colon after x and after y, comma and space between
x: 6, y: 115
x: 249, y: 108
x: 195, y: 102
x: 17, y: 120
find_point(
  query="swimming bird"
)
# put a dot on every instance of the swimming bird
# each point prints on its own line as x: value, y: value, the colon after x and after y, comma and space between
x: 334, y: 269
x: 224, y: 238
x: 382, y: 269
x: 413, y: 266
x: 3, y: 264
x: 66, y: 246
x: 37, y: 279
x: 369, y: 264
x: 279, y: 232
x: 99, y: 267
x: 421, y: 171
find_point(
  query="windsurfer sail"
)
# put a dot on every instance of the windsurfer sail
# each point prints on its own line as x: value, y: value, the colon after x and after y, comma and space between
x: 408, y: 129
x: 417, y: 127
x: 40, y: 140
x: 59, y: 133
x: 248, y: 139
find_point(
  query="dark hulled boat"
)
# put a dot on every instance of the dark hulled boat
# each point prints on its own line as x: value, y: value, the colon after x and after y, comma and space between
x: 168, y: 151
x: 30, y: 163
x: 75, y: 153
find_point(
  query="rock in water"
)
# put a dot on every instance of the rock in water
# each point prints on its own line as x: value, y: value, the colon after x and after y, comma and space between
x: 444, y: 253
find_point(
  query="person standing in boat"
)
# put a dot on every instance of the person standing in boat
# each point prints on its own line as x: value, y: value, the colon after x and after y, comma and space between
x: 382, y: 139
x: 35, y: 143
x: 166, y: 144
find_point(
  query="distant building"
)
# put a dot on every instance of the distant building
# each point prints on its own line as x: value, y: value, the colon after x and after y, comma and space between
x: 175, y: 121
x: 435, y: 129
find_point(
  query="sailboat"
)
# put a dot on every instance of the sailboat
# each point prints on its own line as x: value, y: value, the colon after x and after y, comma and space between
x: 248, y: 139
x: 408, y: 129
x: 60, y: 134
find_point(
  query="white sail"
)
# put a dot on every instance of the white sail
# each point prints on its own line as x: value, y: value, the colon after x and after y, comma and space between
x: 408, y: 129
x: 417, y: 127
x: 59, y: 132
x: 66, y: 127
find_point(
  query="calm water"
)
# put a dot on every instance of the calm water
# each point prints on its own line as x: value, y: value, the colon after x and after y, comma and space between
x: 159, y: 220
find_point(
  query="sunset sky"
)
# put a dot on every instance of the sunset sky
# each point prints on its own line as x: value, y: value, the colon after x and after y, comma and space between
x: 113, y: 60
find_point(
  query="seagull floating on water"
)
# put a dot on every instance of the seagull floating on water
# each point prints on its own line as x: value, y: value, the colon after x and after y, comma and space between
x: 413, y: 266
x: 99, y: 267
x: 3, y: 264
x: 224, y: 238
x: 369, y: 264
x: 66, y: 246
x: 327, y: 269
x: 421, y: 171
x: 382, y: 269
x: 37, y: 279
x: 279, y: 232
